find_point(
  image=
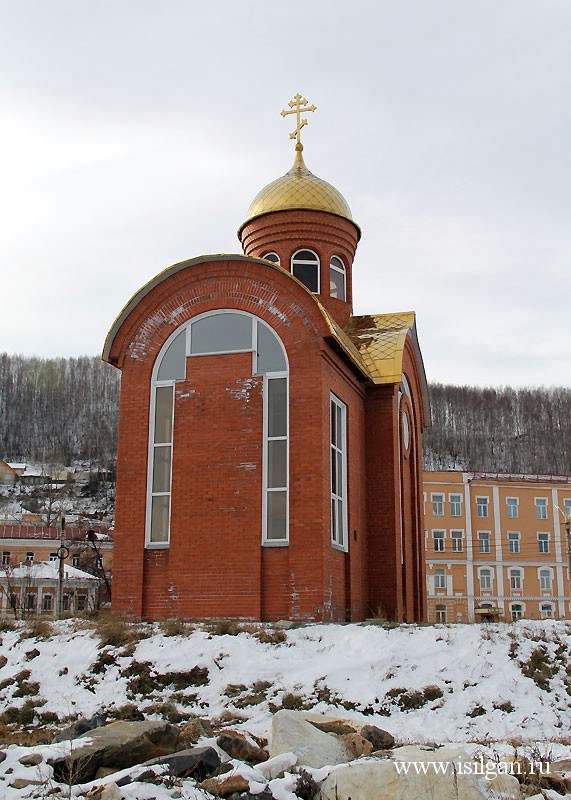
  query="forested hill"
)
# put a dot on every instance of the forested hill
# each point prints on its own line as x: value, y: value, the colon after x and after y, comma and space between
x: 64, y: 410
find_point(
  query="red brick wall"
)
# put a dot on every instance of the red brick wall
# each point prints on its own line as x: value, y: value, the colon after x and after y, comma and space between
x: 285, y: 232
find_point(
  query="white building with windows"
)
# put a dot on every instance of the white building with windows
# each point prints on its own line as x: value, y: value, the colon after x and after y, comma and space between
x: 31, y: 588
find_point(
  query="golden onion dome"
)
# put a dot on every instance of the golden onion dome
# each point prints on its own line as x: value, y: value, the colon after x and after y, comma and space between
x: 299, y: 189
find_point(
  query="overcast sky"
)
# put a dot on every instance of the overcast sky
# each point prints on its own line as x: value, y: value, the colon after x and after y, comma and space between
x: 135, y: 133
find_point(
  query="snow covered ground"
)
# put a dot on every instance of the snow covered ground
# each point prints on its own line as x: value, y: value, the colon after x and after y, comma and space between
x: 488, y: 686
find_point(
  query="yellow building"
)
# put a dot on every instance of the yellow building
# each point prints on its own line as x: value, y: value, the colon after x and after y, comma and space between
x: 497, y: 547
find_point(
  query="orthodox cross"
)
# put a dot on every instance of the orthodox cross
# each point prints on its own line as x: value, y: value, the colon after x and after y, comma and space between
x: 298, y: 107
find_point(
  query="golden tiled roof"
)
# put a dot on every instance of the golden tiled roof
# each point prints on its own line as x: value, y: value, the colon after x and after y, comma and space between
x: 380, y: 340
x: 299, y: 189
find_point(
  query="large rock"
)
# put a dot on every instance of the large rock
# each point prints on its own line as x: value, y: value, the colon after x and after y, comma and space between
x: 237, y: 746
x: 292, y: 733
x: 118, y: 745
x: 413, y: 777
x: 197, y: 762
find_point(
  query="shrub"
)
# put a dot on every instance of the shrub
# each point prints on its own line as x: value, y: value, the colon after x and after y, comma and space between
x: 175, y: 627
x: 539, y: 667
x: 37, y: 628
x: 273, y: 636
x: 225, y: 627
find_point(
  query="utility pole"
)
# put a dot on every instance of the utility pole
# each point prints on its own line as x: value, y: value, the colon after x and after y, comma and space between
x: 62, y: 554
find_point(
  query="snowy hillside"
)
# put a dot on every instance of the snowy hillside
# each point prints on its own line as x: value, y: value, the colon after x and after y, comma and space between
x: 491, y: 688
x: 457, y: 683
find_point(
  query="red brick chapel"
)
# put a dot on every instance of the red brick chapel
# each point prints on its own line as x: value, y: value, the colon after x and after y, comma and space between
x: 269, y: 456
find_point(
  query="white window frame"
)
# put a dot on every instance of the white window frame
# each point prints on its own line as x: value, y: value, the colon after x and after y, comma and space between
x: 541, y: 507
x: 482, y: 503
x: 484, y: 536
x: 545, y: 576
x: 486, y: 575
x: 542, y: 611
x: 339, y: 538
x: 455, y: 503
x: 273, y: 261
x: 340, y: 271
x: 186, y: 327
x: 437, y: 501
x: 519, y: 614
x: 514, y: 542
x: 440, y: 578
x: 543, y: 542
x: 459, y: 537
x: 305, y: 261
x: 441, y: 614
x: 437, y: 538
x: 512, y: 504
x: 516, y: 579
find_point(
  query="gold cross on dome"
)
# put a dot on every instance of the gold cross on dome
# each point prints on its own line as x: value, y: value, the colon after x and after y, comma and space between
x: 298, y: 107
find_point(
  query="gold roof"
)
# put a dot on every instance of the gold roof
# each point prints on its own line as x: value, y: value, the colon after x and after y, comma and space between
x: 299, y: 189
x: 380, y: 340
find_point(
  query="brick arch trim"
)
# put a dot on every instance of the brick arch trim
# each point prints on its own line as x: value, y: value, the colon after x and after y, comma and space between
x: 127, y: 320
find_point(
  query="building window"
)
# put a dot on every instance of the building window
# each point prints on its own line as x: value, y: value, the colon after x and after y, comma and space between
x: 438, y: 539
x: 437, y: 504
x: 273, y: 257
x: 305, y: 267
x: 222, y: 331
x: 567, y: 507
x: 457, y: 541
x: 14, y: 600
x: 65, y: 602
x: 276, y: 458
x: 514, y: 542
x: 6, y: 558
x: 338, y: 472
x: 482, y: 506
x: 541, y: 507
x: 47, y: 602
x: 53, y: 557
x: 30, y: 601
x: 546, y: 610
x: 81, y: 602
x: 440, y: 579
x: 75, y: 560
x: 516, y: 611
x: 484, y: 541
x: 441, y: 616
x: 29, y: 556
x: 513, y: 509
x: 456, y: 505
x: 515, y: 579
x: 545, y: 580
x: 485, y: 579
x: 337, y: 278
x: 543, y: 542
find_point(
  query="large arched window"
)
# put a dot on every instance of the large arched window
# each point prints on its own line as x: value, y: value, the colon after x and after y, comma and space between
x: 221, y: 331
x: 337, y: 281
x: 305, y: 267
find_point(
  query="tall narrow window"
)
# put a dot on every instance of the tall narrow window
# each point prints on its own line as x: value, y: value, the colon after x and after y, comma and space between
x: 305, y: 267
x: 337, y: 284
x: 515, y: 579
x: 514, y: 542
x: 482, y: 506
x: 513, y: 510
x: 338, y: 472
x: 541, y: 507
x: 222, y: 331
x: 484, y: 541
x: 455, y: 505
x: 162, y: 462
x: 437, y: 505
x: 457, y: 541
x: 485, y: 579
x: 545, y: 579
x: 439, y: 538
x: 276, y: 460
x: 440, y: 579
